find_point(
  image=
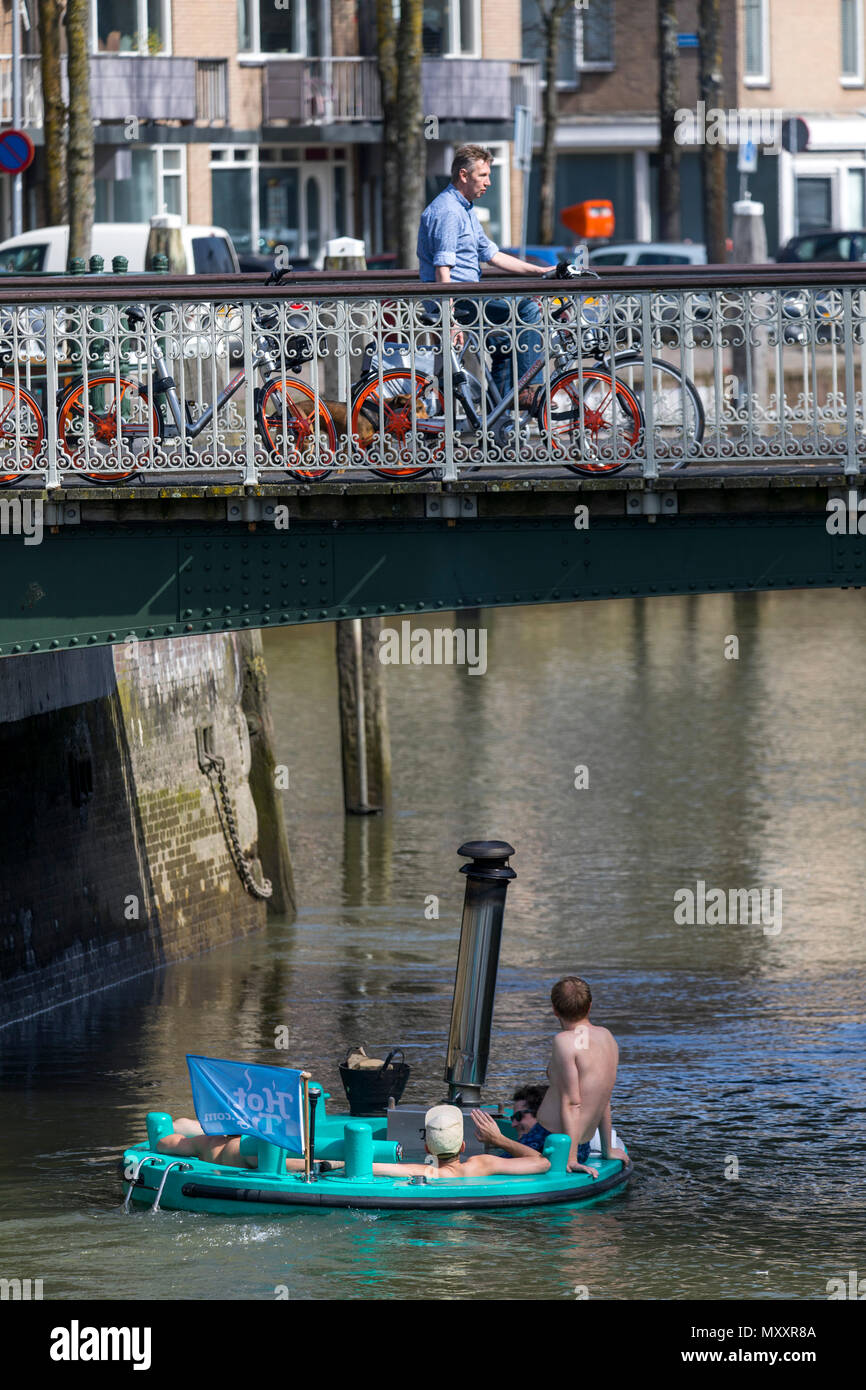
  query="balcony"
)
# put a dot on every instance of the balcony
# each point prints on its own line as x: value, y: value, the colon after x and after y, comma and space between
x: 153, y: 89
x: 321, y: 91
x: 331, y: 91
x: 31, y: 91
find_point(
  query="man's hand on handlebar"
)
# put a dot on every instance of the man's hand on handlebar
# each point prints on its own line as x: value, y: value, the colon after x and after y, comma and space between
x: 566, y: 270
x: 276, y: 276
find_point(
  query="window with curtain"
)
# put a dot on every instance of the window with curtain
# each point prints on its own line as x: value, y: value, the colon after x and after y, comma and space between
x: 754, y: 38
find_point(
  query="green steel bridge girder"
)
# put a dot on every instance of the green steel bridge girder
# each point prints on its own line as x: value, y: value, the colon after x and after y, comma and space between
x: 100, y: 581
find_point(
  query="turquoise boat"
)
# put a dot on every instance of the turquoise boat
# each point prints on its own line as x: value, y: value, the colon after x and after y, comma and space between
x: 359, y: 1140
x: 161, y: 1181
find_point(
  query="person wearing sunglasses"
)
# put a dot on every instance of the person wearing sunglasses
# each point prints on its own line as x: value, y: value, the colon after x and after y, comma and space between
x: 526, y: 1100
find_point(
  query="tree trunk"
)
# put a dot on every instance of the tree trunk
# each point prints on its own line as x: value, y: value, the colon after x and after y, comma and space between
x: 669, y: 100
x: 54, y: 112
x: 551, y: 19
x: 713, y: 156
x: 412, y: 146
x: 80, y: 156
x: 386, y: 40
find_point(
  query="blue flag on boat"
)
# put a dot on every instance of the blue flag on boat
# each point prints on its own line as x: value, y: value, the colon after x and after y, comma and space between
x: 245, y: 1098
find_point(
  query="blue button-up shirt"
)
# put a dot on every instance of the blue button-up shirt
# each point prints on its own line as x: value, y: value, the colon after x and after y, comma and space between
x: 450, y: 234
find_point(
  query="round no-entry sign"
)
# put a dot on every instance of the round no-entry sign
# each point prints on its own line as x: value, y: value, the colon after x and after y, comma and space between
x: 16, y: 151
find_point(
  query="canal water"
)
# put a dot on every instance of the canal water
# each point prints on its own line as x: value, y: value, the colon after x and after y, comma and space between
x: 740, y: 1095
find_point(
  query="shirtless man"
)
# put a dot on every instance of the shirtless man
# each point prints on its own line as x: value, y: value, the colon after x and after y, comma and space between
x: 443, y: 1127
x: 443, y: 1135
x: 582, y: 1073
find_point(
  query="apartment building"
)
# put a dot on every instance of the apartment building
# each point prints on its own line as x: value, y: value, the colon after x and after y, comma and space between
x: 806, y: 60
x: 264, y: 116
x: 782, y: 58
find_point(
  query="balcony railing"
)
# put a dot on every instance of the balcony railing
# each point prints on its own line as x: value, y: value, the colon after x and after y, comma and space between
x: 321, y: 91
x: 218, y: 379
x: 153, y: 89
x: 31, y: 90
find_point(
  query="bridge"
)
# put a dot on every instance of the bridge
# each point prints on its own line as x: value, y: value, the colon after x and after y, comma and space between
x: 185, y: 455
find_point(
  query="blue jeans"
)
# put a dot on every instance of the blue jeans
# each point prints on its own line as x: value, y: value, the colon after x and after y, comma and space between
x: 481, y: 313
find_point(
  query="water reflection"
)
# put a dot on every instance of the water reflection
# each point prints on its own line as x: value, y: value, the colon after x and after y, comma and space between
x: 736, y: 772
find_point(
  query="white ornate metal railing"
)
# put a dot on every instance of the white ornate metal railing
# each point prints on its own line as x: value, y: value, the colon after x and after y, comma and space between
x: 220, y: 379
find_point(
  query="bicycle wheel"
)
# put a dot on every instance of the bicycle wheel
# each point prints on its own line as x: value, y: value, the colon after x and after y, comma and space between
x: 21, y: 426
x: 117, y: 418
x: 285, y: 416
x: 678, y: 411
x: 594, y: 417
x: 393, y: 396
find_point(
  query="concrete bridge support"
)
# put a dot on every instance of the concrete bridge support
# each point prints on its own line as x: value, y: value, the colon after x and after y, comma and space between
x: 125, y: 847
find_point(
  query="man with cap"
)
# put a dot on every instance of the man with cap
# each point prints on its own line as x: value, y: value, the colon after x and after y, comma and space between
x: 443, y: 1134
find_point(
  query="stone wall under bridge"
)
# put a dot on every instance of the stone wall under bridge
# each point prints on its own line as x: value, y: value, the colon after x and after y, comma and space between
x: 114, y: 857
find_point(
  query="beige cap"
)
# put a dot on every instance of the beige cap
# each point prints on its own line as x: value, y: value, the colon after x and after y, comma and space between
x: 444, y: 1129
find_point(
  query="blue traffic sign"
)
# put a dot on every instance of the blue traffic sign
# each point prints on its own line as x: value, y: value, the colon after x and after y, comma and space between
x: 16, y: 151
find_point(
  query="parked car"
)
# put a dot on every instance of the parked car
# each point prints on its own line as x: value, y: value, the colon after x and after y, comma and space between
x: 541, y: 255
x: 649, y: 253
x: 825, y: 246
x: 208, y: 250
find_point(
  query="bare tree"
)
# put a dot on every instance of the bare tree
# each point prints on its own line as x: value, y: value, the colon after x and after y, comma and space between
x: 550, y: 16
x: 54, y: 110
x: 404, y: 146
x: 713, y: 156
x: 411, y: 144
x: 669, y: 100
x: 386, y: 44
x: 80, y: 156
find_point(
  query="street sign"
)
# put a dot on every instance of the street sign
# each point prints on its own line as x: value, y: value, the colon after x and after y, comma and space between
x: 795, y: 135
x: 522, y: 139
x: 747, y: 158
x: 688, y: 41
x: 16, y: 151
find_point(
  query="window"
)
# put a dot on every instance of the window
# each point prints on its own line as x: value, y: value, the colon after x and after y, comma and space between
x: 211, y: 256
x: 157, y: 183
x: 534, y: 41
x: 451, y: 29
x: 23, y: 260
x: 852, y: 43
x: 856, y: 200
x: 594, y: 36
x: 814, y: 204
x: 756, y: 43
x: 608, y: 257
x: 661, y: 258
x: 295, y: 29
x: 272, y: 195
x: 139, y: 27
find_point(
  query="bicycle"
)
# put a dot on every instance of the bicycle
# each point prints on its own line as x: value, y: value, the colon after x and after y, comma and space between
x: 118, y: 412
x: 583, y: 407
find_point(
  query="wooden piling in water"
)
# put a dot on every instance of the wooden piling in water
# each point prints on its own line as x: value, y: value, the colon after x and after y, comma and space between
x: 366, y: 746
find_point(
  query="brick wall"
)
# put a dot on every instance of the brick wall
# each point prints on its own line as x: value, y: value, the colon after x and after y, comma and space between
x: 118, y: 862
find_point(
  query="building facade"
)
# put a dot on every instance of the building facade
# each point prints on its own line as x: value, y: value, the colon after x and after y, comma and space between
x: 266, y: 118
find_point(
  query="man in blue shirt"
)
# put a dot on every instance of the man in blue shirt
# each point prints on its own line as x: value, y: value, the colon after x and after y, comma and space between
x: 451, y: 247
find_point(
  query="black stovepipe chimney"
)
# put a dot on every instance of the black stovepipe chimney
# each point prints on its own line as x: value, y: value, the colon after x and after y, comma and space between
x: 487, y: 880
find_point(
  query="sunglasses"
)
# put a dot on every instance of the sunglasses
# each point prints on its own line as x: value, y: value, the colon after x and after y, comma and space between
x: 518, y: 1115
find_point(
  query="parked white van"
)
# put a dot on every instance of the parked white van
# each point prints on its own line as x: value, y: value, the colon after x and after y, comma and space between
x: 208, y: 250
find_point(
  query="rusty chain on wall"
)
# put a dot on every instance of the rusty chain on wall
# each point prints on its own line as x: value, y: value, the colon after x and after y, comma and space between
x: 211, y: 764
